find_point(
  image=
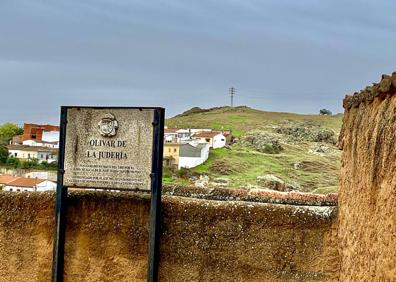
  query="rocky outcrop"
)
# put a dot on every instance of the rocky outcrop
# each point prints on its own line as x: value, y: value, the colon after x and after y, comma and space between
x: 273, y: 182
x: 367, y: 197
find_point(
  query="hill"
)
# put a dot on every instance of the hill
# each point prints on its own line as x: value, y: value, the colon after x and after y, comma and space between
x: 296, y: 150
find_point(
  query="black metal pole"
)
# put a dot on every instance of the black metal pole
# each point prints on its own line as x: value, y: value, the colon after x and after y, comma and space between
x: 156, y: 185
x: 60, y: 207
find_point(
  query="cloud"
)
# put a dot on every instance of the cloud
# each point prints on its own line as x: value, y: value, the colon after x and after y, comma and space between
x: 280, y: 55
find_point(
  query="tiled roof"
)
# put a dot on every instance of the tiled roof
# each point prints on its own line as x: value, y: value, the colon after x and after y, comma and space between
x: 25, y: 182
x: 5, y: 179
x: 207, y: 134
x: 170, y: 130
x: 31, y: 148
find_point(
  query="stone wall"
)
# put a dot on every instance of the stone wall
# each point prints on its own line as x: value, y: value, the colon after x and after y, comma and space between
x: 46, y: 174
x: 367, y: 197
x: 202, y: 240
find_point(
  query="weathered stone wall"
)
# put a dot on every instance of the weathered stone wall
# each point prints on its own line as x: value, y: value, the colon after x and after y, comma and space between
x: 202, y: 240
x: 367, y: 197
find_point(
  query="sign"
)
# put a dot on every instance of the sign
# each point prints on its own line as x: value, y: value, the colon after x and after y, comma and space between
x: 109, y: 148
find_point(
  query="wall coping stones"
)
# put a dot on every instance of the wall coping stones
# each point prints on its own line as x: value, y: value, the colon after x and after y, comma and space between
x: 385, y: 88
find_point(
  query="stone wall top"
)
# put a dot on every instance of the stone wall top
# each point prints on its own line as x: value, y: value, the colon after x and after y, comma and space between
x: 252, y: 195
x: 386, y: 87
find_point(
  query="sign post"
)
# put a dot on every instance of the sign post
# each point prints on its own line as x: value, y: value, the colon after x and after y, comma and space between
x: 112, y: 148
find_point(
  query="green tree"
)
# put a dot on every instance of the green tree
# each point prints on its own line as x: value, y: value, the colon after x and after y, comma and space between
x: 7, y: 131
x: 3, y: 155
x: 325, y: 112
x: 31, y: 163
x: 13, y: 162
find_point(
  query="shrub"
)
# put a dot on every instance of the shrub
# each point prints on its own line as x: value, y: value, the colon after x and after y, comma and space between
x: 3, y: 154
x: 325, y: 112
x: 308, y: 133
x: 13, y: 162
x: 262, y: 142
x: 183, y: 173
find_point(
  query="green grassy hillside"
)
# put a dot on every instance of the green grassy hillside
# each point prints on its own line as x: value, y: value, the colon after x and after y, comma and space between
x: 307, y: 159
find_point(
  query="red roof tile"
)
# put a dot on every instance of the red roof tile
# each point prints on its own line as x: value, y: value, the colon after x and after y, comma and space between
x: 207, y: 134
x: 25, y: 182
x: 170, y: 130
x: 5, y: 179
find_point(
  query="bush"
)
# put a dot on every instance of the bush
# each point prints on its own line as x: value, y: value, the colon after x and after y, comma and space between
x: 308, y: 133
x: 183, y: 172
x: 13, y: 162
x: 325, y: 135
x: 32, y: 163
x: 222, y: 167
x: 262, y: 142
x: 3, y: 155
x: 325, y: 112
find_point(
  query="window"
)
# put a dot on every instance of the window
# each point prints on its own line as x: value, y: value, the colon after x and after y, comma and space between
x: 169, y: 150
x: 207, y: 140
x: 16, y: 154
x: 175, y: 150
x: 33, y: 136
x: 222, y: 139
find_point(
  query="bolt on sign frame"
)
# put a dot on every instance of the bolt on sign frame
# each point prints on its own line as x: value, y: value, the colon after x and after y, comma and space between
x: 86, y: 130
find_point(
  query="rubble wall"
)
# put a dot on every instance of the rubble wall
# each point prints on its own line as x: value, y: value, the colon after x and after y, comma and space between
x: 201, y: 240
x: 367, y: 196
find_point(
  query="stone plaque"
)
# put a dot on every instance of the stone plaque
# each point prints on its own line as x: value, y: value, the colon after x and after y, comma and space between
x: 108, y: 148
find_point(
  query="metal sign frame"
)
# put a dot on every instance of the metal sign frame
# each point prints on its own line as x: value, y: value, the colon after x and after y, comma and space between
x: 156, y: 186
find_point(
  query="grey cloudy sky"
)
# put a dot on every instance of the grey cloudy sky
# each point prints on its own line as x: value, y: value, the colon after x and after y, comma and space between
x: 296, y: 56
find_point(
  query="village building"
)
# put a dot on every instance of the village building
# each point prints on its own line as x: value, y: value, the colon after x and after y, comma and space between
x: 21, y: 184
x: 25, y: 152
x: 193, y: 154
x: 170, y: 135
x: 48, y: 144
x: 183, y: 135
x: 5, y: 179
x: 16, y: 140
x: 214, y: 138
x: 49, y: 133
x: 171, y: 155
x: 187, y: 154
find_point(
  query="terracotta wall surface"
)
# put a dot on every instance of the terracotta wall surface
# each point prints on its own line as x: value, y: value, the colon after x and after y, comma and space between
x: 201, y: 240
x: 367, y: 197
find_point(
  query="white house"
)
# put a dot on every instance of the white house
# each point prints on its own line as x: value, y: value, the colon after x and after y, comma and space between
x: 47, y: 144
x: 30, y: 184
x: 199, y: 130
x: 183, y: 135
x: 170, y: 135
x: 25, y: 152
x: 193, y: 154
x: 215, y: 139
